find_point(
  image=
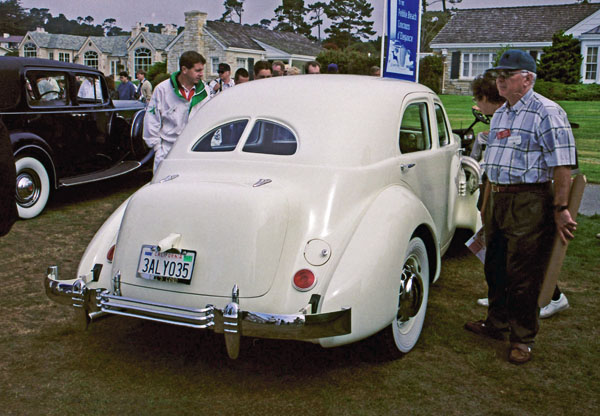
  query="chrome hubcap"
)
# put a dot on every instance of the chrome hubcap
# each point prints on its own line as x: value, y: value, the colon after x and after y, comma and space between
x: 411, y: 291
x: 28, y: 188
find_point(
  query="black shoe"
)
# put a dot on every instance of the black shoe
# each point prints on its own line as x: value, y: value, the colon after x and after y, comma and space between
x: 483, y: 329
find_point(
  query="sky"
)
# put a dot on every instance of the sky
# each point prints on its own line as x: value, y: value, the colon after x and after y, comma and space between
x: 128, y: 12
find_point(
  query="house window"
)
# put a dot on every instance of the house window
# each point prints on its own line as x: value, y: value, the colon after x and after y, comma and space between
x: 214, y: 65
x: 64, y: 57
x: 51, y: 55
x: 476, y: 63
x: 591, y: 63
x: 241, y: 63
x: 29, y: 50
x: 142, y: 59
x: 90, y: 58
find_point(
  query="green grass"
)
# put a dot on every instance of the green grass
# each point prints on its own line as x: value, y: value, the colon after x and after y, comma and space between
x: 584, y: 113
x: 131, y: 367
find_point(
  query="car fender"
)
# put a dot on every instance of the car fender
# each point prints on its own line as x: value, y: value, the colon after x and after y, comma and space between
x: 367, y: 277
x: 96, y: 251
x: 25, y: 143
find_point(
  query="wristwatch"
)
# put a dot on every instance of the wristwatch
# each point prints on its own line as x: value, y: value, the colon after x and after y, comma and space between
x: 559, y: 208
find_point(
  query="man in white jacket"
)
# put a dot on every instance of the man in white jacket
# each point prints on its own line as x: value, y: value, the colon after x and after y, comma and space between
x: 173, y: 103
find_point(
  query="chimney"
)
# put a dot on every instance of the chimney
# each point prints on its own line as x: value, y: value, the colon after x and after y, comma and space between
x: 137, y: 29
x: 5, y: 35
x: 193, y: 36
x: 169, y: 29
x: 40, y: 30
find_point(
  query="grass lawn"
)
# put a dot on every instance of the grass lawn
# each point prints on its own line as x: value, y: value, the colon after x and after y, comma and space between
x: 132, y: 367
x: 584, y: 113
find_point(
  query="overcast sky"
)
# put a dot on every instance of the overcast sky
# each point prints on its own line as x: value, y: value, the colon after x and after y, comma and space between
x: 128, y: 12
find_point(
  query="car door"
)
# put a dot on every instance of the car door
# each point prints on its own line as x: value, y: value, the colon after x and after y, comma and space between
x: 425, y: 165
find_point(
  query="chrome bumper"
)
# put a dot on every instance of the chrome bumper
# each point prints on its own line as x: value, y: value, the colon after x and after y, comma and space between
x: 230, y: 321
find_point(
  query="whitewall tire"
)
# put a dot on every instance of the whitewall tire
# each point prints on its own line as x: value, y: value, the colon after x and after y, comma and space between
x: 403, y: 333
x: 33, y: 187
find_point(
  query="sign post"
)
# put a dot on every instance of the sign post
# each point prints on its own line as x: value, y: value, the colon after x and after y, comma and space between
x: 403, y: 29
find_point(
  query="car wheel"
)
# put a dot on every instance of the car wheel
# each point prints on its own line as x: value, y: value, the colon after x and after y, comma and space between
x: 403, y: 333
x: 33, y: 187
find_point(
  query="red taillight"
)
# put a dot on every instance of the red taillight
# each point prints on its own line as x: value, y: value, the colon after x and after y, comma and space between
x: 111, y: 253
x: 304, y: 279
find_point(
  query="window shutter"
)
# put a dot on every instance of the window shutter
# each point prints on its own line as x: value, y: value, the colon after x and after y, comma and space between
x: 455, y: 65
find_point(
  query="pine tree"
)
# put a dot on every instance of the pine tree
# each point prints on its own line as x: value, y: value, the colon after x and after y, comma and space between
x: 349, y: 21
x: 232, y: 7
x: 561, y: 62
x: 290, y: 17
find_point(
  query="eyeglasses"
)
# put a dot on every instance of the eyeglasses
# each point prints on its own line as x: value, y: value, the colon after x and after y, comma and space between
x: 505, y: 74
x: 220, y: 72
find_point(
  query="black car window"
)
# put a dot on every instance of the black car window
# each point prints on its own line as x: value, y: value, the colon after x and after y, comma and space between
x: 444, y: 136
x: 415, y: 132
x: 89, y: 88
x: 221, y: 139
x: 46, y: 88
x: 270, y: 138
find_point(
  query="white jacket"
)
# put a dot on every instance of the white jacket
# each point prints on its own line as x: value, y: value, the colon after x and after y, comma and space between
x: 168, y: 113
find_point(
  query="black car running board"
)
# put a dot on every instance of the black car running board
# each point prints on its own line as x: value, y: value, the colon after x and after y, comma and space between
x: 121, y: 168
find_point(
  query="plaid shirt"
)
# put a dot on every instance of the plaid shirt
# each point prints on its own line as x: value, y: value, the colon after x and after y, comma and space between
x: 527, y: 140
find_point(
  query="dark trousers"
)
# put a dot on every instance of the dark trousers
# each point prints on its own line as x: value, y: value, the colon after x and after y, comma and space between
x: 519, y: 232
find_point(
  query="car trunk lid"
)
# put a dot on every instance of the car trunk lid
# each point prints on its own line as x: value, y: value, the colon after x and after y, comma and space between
x: 237, y: 231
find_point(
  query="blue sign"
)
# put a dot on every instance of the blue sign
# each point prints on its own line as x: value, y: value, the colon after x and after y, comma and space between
x: 401, y: 57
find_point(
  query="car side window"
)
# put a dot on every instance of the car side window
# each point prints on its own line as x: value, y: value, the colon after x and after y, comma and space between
x: 221, y: 139
x: 271, y: 138
x: 444, y: 137
x: 46, y: 88
x: 415, y: 131
x: 89, y: 89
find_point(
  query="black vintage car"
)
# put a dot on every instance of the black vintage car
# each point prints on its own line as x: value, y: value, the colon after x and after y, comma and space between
x: 64, y: 128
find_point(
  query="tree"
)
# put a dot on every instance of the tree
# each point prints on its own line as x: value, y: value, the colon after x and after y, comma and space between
x: 349, y: 21
x: 290, y: 17
x: 12, y: 17
x: 232, y: 7
x: 317, y: 11
x: 561, y: 62
x: 431, y: 24
x: 425, y: 3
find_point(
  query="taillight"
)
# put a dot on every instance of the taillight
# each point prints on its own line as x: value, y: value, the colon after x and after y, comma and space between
x: 111, y: 253
x: 304, y: 280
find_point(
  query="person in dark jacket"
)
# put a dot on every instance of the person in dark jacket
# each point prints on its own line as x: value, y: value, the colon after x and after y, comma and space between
x: 8, y: 178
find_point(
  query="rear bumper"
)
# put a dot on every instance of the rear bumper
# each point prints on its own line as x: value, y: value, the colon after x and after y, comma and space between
x: 231, y: 320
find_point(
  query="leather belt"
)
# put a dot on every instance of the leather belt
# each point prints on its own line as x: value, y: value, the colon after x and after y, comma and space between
x: 522, y: 187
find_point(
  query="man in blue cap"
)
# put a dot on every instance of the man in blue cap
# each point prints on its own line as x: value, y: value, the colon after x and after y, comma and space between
x: 530, y: 145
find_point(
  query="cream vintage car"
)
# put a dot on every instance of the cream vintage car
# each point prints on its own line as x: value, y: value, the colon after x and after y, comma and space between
x: 311, y: 208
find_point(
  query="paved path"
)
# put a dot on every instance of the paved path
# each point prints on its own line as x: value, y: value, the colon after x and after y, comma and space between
x: 590, y: 203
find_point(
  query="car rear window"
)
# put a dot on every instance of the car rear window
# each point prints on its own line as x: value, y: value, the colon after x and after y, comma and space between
x: 271, y: 138
x: 221, y: 139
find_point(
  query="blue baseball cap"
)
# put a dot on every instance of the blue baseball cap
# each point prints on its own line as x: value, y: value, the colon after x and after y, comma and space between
x: 516, y: 59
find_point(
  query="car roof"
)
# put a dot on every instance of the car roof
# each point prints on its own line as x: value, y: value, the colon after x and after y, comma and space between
x: 10, y: 75
x: 360, y: 114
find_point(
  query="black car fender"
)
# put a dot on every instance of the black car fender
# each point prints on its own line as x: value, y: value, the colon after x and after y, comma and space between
x: 29, y: 144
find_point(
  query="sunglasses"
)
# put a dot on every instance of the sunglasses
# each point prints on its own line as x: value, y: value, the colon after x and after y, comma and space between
x: 220, y: 72
x: 505, y: 74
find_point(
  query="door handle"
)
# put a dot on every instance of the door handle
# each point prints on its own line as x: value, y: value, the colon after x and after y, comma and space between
x: 405, y: 167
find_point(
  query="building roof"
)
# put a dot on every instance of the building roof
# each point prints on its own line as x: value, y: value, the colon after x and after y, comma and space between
x: 53, y: 41
x: 594, y: 31
x: 112, y: 45
x: 508, y: 25
x: 11, y: 39
x: 234, y: 35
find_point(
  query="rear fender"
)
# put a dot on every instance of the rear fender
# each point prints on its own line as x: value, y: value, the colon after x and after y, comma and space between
x: 367, y: 278
x: 96, y: 251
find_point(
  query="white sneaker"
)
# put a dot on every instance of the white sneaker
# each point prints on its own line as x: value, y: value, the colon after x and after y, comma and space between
x: 554, y: 306
x: 483, y: 302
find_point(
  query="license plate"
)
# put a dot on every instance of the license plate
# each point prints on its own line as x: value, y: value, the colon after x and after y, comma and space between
x: 166, y: 267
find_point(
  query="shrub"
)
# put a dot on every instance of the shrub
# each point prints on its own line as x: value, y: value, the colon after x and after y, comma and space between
x: 431, y: 70
x: 156, y: 69
x: 559, y: 91
x: 348, y: 61
x: 159, y: 78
